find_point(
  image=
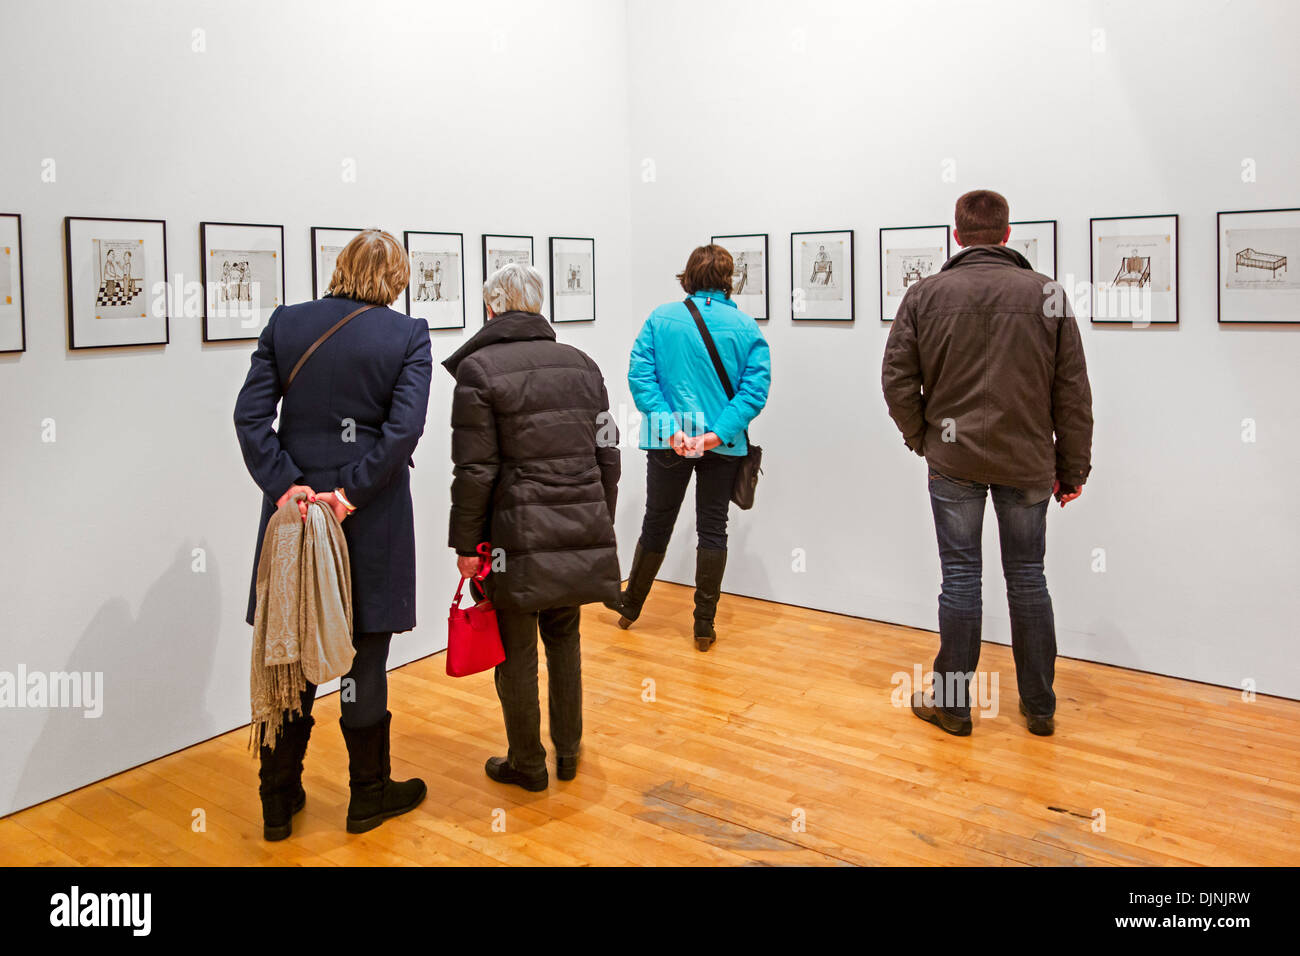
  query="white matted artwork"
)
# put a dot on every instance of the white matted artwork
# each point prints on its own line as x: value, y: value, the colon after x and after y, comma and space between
x: 821, y: 276
x: 1036, y: 241
x: 908, y: 254
x: 500, y: 250
x: 573, y: 279
x: 326, y: 244
x: 116, y: 274
x: 13, y: 329
x: 1258, y: 252
x: 436, y: 292
x: 749, y: 277
x: 242, y: 266
x: 1134, y: 270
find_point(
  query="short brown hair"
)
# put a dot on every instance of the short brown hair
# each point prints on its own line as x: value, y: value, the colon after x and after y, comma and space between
x: 982, y: 218
x: 709, y: 267
x: 372, y: 268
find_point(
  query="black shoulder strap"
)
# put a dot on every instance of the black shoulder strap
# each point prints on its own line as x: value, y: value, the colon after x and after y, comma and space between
x: 321, y: 341
x: 713, y: 349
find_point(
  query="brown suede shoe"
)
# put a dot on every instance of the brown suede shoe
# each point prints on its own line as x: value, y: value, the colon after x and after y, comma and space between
x: 939, y: 717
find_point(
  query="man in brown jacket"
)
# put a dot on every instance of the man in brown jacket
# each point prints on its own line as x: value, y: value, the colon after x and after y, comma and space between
x: 985, y: 377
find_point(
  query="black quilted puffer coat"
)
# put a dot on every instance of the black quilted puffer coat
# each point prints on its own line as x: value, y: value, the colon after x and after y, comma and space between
x: 536, y: 465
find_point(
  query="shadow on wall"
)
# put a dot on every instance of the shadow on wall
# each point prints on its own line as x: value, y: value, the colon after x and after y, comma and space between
x: 156, y: 669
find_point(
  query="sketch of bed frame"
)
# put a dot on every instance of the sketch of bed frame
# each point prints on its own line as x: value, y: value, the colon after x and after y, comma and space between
x: 1134, y: 270
x: 1252, y: 259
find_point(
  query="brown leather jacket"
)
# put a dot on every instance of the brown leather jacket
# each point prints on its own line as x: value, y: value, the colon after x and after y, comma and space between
x: 984, y: 365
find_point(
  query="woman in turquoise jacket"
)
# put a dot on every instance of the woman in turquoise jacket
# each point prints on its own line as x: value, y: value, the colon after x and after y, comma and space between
x: 689, y: 426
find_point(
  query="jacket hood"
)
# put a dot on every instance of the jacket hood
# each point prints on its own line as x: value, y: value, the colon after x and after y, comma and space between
x: 506, y: 327
x: 1004, y: 254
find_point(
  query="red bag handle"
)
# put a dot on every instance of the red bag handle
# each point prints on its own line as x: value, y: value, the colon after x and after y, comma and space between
x: 485, y: 552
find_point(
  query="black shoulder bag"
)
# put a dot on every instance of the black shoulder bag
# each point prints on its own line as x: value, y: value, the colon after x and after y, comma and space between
x: 751, y: 466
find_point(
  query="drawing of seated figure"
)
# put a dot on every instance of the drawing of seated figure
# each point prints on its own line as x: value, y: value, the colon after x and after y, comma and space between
x: 741, y: 275
x: 1254, y: 259
x: 821, y: 268
x: 1134, y: 270
x: 914, y: 270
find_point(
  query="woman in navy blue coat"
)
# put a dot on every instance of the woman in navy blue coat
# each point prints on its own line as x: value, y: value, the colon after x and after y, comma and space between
x: 347, y: 431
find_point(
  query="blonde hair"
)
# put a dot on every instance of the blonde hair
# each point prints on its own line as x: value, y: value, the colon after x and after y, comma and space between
x: 514, y: 287
x: 372, y: 268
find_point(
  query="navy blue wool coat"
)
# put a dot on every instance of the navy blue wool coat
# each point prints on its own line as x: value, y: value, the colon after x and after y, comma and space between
x: 351, y: 421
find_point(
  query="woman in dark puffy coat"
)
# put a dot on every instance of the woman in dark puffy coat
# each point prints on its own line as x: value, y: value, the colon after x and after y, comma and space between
x: 536, y: 474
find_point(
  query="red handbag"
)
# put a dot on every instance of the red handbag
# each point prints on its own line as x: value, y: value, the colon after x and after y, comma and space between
x: 473, y: 638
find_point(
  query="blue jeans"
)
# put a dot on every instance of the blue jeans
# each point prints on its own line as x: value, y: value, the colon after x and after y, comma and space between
x: 958, y: 507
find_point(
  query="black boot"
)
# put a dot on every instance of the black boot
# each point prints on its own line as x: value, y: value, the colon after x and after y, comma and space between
x: 645, y: 565
x: 281, y: 775
x: 376, y: 796
x: 709, y: 565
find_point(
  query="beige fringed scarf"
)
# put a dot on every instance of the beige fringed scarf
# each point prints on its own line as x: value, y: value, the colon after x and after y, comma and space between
x: 302, y: 627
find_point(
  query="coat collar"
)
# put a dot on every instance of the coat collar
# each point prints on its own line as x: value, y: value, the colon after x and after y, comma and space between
x: 717, y: 295
x: 1002, y: 254
x: 506, y: 327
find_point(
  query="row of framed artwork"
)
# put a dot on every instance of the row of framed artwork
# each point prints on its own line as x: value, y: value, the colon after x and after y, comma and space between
x: 117, y: 291
x: 1133, y: 267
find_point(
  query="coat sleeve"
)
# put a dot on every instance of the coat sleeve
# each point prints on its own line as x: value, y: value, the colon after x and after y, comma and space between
x: 751, y: 394
x: 270, y: 465
x: 901, y: 377
x: 608, y: 455
x: 363, y: 479
x: 1071, y: 406
x: 647, y: 390
x: 476, y: 460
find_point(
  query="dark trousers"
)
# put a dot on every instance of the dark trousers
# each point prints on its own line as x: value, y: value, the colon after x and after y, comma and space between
x: 958, y: 507
x: 363, y: 692
x: 667, y: 475
x: 516, y: 680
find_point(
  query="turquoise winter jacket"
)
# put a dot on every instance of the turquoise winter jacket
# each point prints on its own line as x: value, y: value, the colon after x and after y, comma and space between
x: 673, y: 381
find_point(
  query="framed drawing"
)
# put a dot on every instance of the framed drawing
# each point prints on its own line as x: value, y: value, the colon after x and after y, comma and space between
x: 13, y: 310
x: 573, y: 279
x: 115, y: 271
x: 436, y: 292
x: 500, y: 250
x: 907, y: 255
x: 821, y: 276
x: 1257, y: 249
x: 242, y: 269
x: 1133, y: 265
x: 749, y: 280
x: 326, y: 244
x: 1035, y: 239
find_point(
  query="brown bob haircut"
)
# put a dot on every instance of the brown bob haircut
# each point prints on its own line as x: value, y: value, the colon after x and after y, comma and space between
x: 372, y: 268
x: 982, y: 218
x: 709, y: 267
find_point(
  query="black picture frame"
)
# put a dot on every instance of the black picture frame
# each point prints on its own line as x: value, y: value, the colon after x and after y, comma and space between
x: 550, y: 246
x: 67, y: 272
x: 767, y: 267
x: 1056, y: 260
x: 460, y: 237
x: 852, y: 283
x: 203, y: 271
x: 880, y: 256
x: 22, y: 291
x: 315, y: 266
x: 1218, y: 271
x: 1092, y: 283
x: 532, y: 255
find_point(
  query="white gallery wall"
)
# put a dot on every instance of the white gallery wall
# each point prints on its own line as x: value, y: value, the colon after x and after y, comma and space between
x: 765, y: 117
x: 487, y: 117
x: 649, y: 125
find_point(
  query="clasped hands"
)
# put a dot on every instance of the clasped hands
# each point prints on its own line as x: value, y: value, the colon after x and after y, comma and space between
x: 688, y: 447
x: 331, y: 501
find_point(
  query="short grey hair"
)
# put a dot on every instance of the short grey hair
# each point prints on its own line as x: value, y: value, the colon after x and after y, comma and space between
x: 514, y: 287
